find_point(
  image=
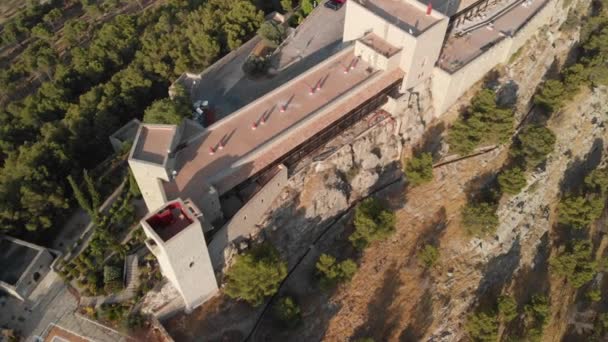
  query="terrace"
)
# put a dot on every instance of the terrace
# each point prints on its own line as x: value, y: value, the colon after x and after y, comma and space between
x: 379, y: 45
x: 154, y: 143
x: 408, y: 15
x: 169, y: 221
x: 465, y: 45
x: 243, y: 143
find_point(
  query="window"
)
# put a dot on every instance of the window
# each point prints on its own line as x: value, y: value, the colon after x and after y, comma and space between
x: 191, y: 264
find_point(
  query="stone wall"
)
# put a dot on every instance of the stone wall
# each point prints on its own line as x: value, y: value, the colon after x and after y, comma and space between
x: 447, y: 88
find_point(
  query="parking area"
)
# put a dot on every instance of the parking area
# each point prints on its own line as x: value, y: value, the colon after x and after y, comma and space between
x: 226, y: 86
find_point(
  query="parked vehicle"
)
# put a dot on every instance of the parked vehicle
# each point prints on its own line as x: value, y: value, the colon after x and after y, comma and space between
x: 335, y: 4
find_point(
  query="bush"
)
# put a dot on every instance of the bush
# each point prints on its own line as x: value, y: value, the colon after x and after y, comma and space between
x: 111, y: 273
x: 511, y: 181
x: 483, y: 327
x: 256, y: 66
x: 538, y: 310
x: 551, y: 95
x: 485, y: 123
x: 479, y: 219
x: 594, y: 295
x: 331, y: 272
x: 287, y: 311
x: 577, y: 264
x: 533, y: 144
x: 507, y: 308
x: 306, y: 7
x: 597, y: 180
x: 372, y: 222
x: 428, y: 255
x: 255, y: 275
x: 419, y: 169
x: 580, y: 211
x: 272, y: 32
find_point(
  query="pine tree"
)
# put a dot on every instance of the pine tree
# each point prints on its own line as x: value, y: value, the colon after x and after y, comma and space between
x: 80, y: 198
x: 93, y: 193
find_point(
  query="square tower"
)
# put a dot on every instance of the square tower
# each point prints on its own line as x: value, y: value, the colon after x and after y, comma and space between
x: 176, y: 238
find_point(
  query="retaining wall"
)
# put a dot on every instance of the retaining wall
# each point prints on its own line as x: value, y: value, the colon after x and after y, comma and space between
x: 448, y: 87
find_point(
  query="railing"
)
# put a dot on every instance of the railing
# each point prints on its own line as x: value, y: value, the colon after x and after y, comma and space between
x: 322, y: 137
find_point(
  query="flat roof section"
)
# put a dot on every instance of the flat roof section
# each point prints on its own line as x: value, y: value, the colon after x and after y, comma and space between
x: 14, y: 260
x: 402, y: 14
x: 154, y: 143
x: 170, y: 220
x: 459, y: 51
x: 208, y: 159
x: 379, y: 45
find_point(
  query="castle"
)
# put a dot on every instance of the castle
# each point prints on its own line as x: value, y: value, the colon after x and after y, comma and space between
x: 391, y: 47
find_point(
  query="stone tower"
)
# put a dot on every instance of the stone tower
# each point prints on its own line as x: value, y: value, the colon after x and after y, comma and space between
x: 176, y: 237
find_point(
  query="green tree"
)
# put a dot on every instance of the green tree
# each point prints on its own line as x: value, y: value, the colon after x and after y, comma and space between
x: 255, y: 275
x: 428, y: 255
x: 241, y: 21
x: 483, y: 123
x: 111, y: 273
x: 287, y: 5
x: 597, y: 180
x: 419, y: 169
x: 75, y: 31
x: 93, y: 194
x: 511, y: 181
x: 287, y: 311
x: 53, y: 17
x: 331, y: 272
x: 533, y: 144
x: 306, y: 6
x: 372, y: 222
x: 576, y: 264
x: 594, y: 295
x: 133, y: 187
x: 483, y: 327
x: 479, y: 219
x: 42, y: 32
x: 551, y: 95
x: 507, y: 308
x: 82, y: 200
x: 580, y: 211
x: 166, y: 111
x: 272, y: 32
x: 538, y: 310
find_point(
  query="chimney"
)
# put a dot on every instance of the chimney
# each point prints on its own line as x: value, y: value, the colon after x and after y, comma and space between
x: 254, y: 125
x: 211, y: 151
x: 429, y: 8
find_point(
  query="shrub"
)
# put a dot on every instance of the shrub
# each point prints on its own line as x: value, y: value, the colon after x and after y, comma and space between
x: 577, y: 264
x: 111, y: 273
x: 594, y: 295
x: 597, y: 180
x: 255, y: 275
x: 479, y: 219
x: 428, y: 255
x: 507, y: 308
x: 483, y: 327
x: 272, y: 32
x: 580, y: 211
x: 113, y: 286
x: 287, y: 311
x: 331, y: 272
x: 419, y: 169
x: 533, y: 144
x: 511, y: 181
x: 551, y: 95
x: 538, y: 310
x: 256, y: 66
x: 306, y: 7
x: 485, y: 123
x: 372, y: 222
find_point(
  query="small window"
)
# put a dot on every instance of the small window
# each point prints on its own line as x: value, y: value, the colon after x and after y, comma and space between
x: 245, y: 218
x: 191, y: 264
x: 36, y: 276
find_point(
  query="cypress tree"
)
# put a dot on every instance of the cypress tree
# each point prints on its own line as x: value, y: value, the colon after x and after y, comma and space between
x: 80, y: 198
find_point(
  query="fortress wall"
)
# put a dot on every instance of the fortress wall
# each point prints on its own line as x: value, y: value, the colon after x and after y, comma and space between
x: 447, y: 88
x: 148, y: 179
x: 543, y: 17
x: 244, y: 222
